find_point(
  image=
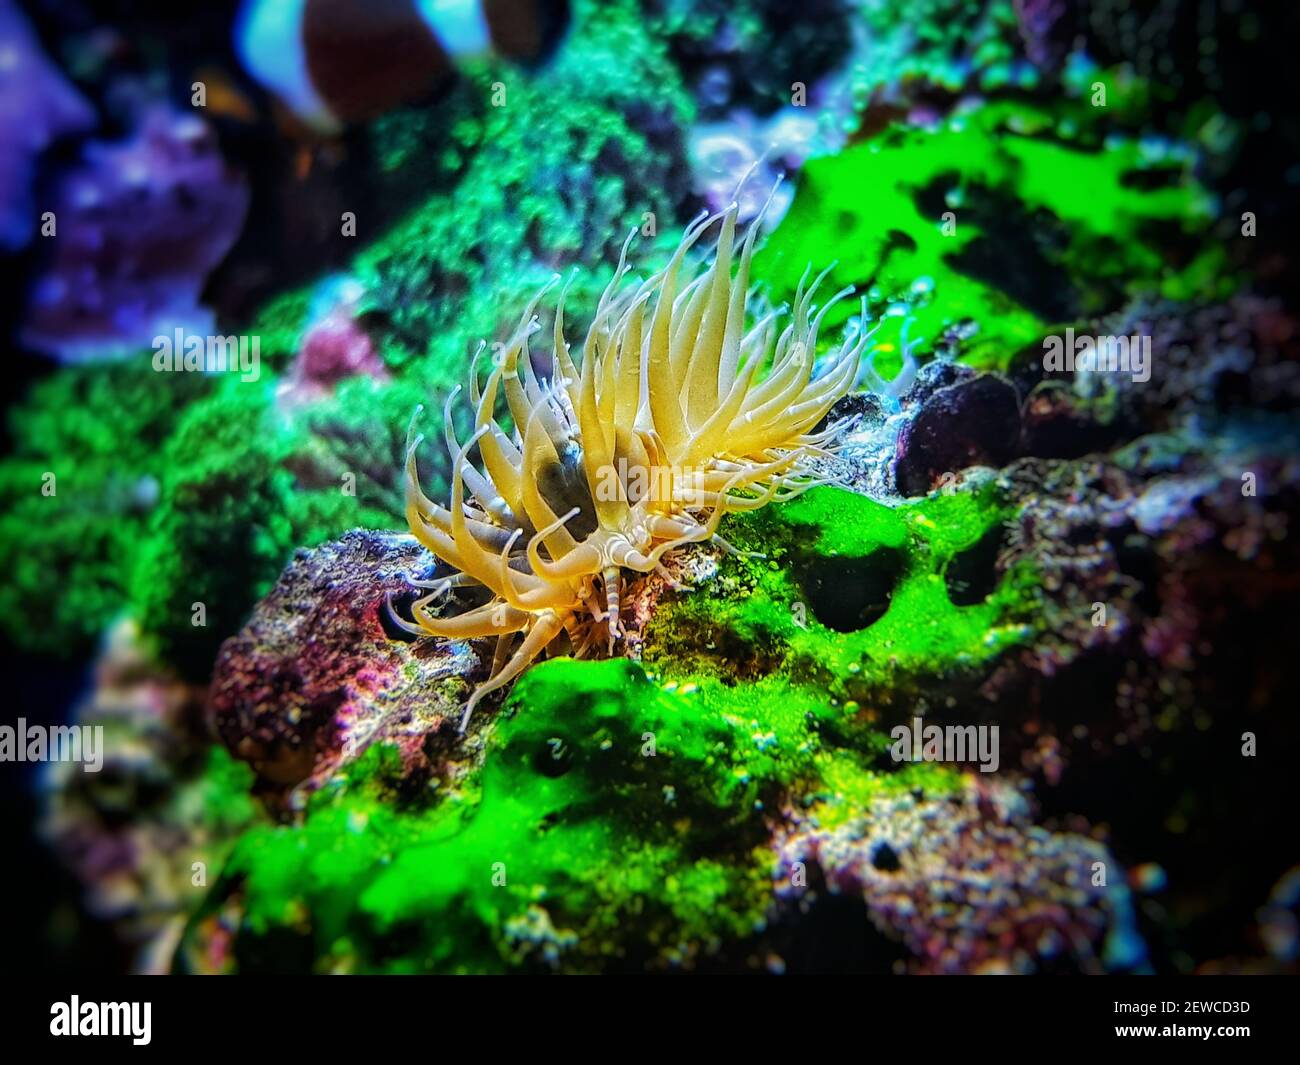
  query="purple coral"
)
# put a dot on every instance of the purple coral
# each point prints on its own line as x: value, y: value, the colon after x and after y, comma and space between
x: 140, y: 225
x: 37, y: 107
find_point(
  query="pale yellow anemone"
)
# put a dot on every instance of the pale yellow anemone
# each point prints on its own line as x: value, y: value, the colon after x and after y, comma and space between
x: 666, y: 427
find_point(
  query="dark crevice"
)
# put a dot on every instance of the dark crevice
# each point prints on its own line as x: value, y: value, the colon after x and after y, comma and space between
x: 849, y: 594
x: 972, y: 574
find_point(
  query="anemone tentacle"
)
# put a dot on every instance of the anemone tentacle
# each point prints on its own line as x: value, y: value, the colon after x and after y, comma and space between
x: 676, y: 414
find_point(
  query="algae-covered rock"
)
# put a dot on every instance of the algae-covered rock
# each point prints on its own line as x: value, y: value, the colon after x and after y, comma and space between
x: 853, y: 595
x: 1091, y: 572
x: 612, y: 826
x: 716, y: 805
x: 996, y: 225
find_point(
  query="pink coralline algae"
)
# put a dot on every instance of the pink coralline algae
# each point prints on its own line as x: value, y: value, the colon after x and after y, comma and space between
x: 315, y: 678
x: 970, y: 884
x: 37, y: 107
x: 334, y: 347
x: 139, y: 226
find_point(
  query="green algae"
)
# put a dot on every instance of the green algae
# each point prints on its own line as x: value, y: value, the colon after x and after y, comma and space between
x: 623, y: 810
x: 509, y: 194
x: 219, y: 535
x: 172, y: 490
x: 766, y: 687
x: 542, y: 187
x: 97, y: 430
x: 158, y: 472
x: 279, y: 326
x: 224, y: 792
x: 619, y: 819
x: 242, y: 487
x: 1046, y: 225
x: 765, y: 47
x: 940, y: 44
x: 851, y: 596
x: 616, y: 823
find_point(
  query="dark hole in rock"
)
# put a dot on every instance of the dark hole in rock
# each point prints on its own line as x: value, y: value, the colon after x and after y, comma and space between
x: 1136, y: 559
x: 897, y: 239
x: 885, y: 858
x: 1084, y: 534
x: 833, y: 934
x: 973, y: 574
x: 848, y: 594
x: 932, y: 199
x: 553, y: 759
x: 1018, y: 253
x: 1024, y: 274
x: 1232, y: 388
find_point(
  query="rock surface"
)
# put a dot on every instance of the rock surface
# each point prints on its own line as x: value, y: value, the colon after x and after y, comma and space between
x: 970, y: 883
x: 315, y: 677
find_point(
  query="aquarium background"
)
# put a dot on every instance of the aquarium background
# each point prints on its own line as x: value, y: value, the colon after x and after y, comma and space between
x: 1098, y: 564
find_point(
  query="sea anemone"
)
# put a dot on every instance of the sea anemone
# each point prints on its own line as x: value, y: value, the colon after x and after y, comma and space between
x: 666, y: 428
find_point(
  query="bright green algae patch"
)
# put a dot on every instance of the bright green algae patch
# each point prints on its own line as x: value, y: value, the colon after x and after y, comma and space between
x: 620, y: 821
x: 853, y: 597
x: 76, y: 494
x: 158, y: 492
x: 627, y: 812
x: 616, y: 825
x: 999, y: 225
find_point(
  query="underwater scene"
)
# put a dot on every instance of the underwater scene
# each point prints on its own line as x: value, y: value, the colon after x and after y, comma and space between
x: 650, y: 486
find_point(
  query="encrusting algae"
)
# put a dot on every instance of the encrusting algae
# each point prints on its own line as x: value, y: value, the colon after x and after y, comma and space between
x: 664, y: 430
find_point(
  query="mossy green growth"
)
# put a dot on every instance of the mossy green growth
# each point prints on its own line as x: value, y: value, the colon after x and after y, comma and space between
x: 224, y: 793
x: 76, y: 494
x: 1003, y: 223
x: 221, y: 531
x: 242, y: 485
x: 543, y: 187
x: 620, y: 820
x: 617, y: 823
x: 279, y: 326
x: 945, y: 45
x: 864, y: 601
x: 149, y: 493
x: 598, y: 801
